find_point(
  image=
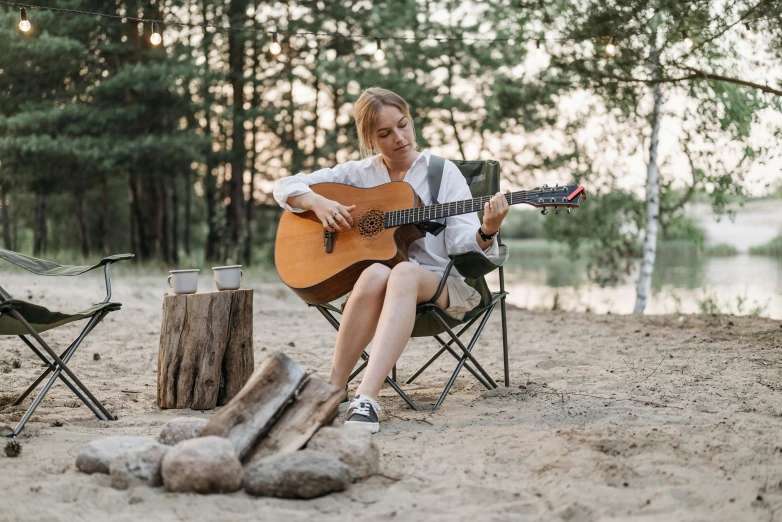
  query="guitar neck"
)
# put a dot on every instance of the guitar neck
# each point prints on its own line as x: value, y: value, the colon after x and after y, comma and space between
x: 409, y: 216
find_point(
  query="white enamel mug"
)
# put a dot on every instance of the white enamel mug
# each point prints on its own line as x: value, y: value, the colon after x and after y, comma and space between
x: 183, y: 281
x: 228, y: 277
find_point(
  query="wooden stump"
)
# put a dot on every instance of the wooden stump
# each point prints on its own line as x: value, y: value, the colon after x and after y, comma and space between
x: 206, y: 349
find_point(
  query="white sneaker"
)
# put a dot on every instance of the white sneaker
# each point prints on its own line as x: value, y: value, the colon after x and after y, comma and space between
x: 363, y: 413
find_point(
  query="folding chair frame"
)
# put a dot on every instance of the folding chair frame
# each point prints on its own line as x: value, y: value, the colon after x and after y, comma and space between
x: 58, y: 364
x: 429, y: 307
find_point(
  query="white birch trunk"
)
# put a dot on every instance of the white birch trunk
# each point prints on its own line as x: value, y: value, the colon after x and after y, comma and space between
x: 652, y: 191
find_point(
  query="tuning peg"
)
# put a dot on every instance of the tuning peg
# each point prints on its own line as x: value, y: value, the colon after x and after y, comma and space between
x: 544, y: 211
x: 569, y: 209
x: 556, y: 210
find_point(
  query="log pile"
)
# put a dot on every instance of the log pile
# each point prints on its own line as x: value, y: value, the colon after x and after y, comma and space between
x: 251, y: 443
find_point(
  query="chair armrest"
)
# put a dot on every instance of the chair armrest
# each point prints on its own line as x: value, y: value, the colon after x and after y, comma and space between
x: 50, y: 268
x: 474, y: 265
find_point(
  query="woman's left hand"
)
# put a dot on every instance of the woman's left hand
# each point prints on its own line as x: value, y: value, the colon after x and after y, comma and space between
x: 494, y: 212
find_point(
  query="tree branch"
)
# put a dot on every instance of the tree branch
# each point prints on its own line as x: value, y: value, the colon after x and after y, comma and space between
x: 698, y: 75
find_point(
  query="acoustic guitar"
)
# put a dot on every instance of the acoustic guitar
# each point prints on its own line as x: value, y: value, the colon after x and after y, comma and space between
x: 320, y: 266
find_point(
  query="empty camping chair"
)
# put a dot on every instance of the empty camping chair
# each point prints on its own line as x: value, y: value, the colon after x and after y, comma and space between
x: 25, y: 319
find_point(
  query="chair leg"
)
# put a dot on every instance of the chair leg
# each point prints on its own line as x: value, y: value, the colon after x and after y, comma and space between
x: 503, y: 313
x: 51, y: 368
x: 464, y: 349
x: 440, y: 352
x: 393, y: 373
x: 447, y: 346
x: 62, y: 366
x: 463, y: 360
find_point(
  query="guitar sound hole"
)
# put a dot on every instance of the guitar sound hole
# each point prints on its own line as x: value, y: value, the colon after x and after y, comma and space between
x: 370, y: 224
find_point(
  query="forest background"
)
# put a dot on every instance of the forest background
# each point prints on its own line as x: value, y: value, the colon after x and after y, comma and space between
x: 109, y: 143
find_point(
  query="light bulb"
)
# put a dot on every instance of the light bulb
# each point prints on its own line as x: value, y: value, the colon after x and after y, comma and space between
x: 687, y: 40
x: 379, y: 52
x: 749, y: 34
x: 24, y: 24
x: 155, y: 38
x: 611, y: 47
x: 538, y: 48
x: 275, y: 48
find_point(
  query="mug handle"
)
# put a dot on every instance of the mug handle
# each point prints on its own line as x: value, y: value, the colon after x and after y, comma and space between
x: 169, y: 281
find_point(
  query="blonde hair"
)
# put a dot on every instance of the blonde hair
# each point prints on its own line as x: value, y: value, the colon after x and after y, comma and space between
x: 368, y: 106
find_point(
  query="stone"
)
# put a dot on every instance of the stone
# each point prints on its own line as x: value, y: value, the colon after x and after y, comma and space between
x: 96, y: 456
x: 354, y: 447
x: 301, y: 474
x: 202, y: 465
x: 181, y: 428
x: 138, y: 466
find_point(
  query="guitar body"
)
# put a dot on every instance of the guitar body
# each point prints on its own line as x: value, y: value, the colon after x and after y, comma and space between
x: 319, y: 277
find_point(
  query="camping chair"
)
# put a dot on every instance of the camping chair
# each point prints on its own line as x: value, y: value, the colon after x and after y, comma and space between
x: 483, y: 178
x: 22, y: 318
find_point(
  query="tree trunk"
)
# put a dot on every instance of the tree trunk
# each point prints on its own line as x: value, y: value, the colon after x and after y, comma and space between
x: 164, y: 223
x: 139, y: 230
x: 104, y: 225
x: 652, y: 190
x: 236, y: 56
x: 6, y: 222
x: 81, y: 217
x: 39, y: 225
x: 174, y: 213
x: 188, y: 211
x: 205, y: 355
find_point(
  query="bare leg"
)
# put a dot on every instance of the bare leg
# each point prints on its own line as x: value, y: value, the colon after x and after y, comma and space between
x: 408, y: 285
x: 359, y: 321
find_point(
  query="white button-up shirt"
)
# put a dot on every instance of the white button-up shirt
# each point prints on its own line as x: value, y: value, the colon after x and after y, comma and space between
x: 430, y: 252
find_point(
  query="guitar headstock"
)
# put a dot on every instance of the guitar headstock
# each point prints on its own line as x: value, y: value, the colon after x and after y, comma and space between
x: 569, y: 196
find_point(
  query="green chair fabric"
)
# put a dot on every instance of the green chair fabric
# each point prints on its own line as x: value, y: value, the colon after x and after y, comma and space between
x: 42, y: 319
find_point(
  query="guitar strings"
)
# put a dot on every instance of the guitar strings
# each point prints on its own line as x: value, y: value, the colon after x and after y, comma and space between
x: 403, y: 217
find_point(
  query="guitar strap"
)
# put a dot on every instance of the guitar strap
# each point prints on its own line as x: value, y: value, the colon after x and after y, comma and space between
x: 434, y: 176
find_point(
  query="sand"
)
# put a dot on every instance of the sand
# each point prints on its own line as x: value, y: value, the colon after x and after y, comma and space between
x: 607, y: 418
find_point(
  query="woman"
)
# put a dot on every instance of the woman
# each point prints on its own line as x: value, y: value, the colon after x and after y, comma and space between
x: 383, y: 301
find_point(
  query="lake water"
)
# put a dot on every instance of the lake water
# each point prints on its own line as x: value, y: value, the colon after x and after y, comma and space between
x: 740, y: 284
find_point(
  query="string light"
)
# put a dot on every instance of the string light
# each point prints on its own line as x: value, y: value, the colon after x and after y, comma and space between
x: 155, y: 38
x: 537, y: 47
x: 380, y: 54
x: 749, y: 34
x: 687, y: 40
x: 275, y: 48
x: 611, y: 47
x: 24, y: 24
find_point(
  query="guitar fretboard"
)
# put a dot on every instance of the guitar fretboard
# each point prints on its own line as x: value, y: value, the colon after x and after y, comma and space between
x: 549, y: 196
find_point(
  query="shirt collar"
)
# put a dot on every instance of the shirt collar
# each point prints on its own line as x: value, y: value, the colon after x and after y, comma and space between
x: 375, y: 160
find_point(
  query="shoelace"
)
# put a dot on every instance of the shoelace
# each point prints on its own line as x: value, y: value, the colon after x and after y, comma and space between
x: 363, y: 408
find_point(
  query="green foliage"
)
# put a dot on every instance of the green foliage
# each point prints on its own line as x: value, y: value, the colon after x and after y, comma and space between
x: 772, y: 248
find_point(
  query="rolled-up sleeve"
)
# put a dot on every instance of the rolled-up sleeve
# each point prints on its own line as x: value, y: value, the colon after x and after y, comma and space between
x: 300, y: 184
x: 460, y: 232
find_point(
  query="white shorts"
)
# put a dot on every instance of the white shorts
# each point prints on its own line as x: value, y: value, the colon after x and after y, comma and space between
x: 461, y: 297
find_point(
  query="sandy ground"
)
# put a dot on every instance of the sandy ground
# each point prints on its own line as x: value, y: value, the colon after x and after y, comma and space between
x: 607, y: 418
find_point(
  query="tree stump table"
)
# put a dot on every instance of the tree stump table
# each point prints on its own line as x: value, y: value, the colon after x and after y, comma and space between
x: 206, y: 348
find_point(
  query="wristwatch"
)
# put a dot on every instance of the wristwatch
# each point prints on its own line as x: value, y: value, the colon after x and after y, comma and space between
x: 485, y: 236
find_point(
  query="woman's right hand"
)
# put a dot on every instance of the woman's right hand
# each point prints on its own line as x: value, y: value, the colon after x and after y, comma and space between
x: 334, y: 215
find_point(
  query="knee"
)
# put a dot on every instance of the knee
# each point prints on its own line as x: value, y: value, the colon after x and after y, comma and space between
x: 403, y: 275
x: 373, y: 279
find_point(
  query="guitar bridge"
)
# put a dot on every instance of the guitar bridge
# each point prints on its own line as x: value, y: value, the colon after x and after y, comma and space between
x: 328, y: 240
